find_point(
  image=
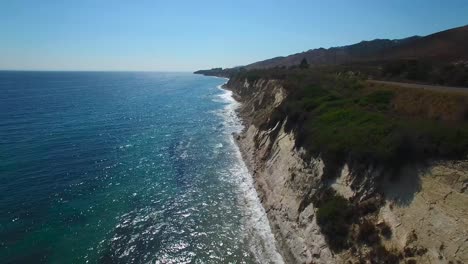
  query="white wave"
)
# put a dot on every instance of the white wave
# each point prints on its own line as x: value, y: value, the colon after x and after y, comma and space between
x: 184, y: 155
x: 258, y: 233
x: 232, y: 122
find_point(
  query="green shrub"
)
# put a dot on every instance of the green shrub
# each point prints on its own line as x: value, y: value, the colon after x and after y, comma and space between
x: 333, y: 217
x: 354, y: 131
x: 379, y: 100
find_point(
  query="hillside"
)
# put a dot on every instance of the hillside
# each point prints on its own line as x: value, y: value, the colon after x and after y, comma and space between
x: 351, y: 171
x: 437, y: 59
x: 444, y: 46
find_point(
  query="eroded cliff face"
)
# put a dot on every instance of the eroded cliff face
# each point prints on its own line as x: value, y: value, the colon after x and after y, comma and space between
x: 425, y: 207
x: 427, y: 210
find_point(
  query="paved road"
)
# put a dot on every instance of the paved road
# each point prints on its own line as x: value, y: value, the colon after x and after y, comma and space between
x: 424, y: 86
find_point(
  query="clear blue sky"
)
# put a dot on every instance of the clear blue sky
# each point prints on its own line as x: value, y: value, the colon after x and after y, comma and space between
x: 187, y: 35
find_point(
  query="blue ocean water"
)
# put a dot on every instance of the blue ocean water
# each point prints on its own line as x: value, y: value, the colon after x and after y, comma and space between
x: 107, y: 167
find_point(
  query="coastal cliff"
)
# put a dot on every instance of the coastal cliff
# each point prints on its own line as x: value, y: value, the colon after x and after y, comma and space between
x: 416, y: 216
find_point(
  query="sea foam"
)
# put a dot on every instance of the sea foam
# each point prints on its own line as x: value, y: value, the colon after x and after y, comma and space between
x: 257, y: 230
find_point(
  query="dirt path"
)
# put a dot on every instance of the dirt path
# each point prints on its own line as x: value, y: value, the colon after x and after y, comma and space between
x: 424, y: 86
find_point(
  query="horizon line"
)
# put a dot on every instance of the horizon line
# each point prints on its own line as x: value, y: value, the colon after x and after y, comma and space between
x: 49, y: 70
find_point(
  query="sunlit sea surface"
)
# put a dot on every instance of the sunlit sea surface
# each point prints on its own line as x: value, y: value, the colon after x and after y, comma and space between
x: 102, y: 167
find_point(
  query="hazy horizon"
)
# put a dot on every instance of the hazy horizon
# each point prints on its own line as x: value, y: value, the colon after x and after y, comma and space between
x: 183, y: 37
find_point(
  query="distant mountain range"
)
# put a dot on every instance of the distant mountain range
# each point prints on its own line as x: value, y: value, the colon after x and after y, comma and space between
x: 446, y: 46
x: 440, y: 58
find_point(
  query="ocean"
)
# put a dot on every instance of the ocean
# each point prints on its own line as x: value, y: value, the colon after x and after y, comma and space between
x: 125, y: 167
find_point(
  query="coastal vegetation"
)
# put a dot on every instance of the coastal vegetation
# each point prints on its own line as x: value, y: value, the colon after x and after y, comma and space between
x: 334, y: 218
x: 339, y: 114
x: 345, y: 224
x: 413, y: 70
x: 453, y: 74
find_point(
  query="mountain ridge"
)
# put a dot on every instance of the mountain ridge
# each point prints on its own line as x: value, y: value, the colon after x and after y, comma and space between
x: 441, y: 46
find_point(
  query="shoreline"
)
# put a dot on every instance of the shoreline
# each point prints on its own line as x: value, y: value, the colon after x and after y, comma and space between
x: 272, y: 161
x: 248, y: 160
x: 282, y: 249
x: 263, y: 243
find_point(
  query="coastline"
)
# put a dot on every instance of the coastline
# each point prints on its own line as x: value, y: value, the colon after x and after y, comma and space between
x: 264, y: 241
x: 246, y: 154
x: 282, y: 248
x: 284, y: 180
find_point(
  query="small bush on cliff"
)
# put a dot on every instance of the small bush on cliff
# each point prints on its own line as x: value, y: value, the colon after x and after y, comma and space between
x: 368, y: 234
x: 380, y: 254
x: 334, y: 219
x: 385, y: 230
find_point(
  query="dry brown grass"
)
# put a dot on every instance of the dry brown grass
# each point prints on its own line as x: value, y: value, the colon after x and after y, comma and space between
x: 437, y: 105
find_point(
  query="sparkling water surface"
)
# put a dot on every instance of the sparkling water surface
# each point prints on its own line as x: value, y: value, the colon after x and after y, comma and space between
x: 115, y: 167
